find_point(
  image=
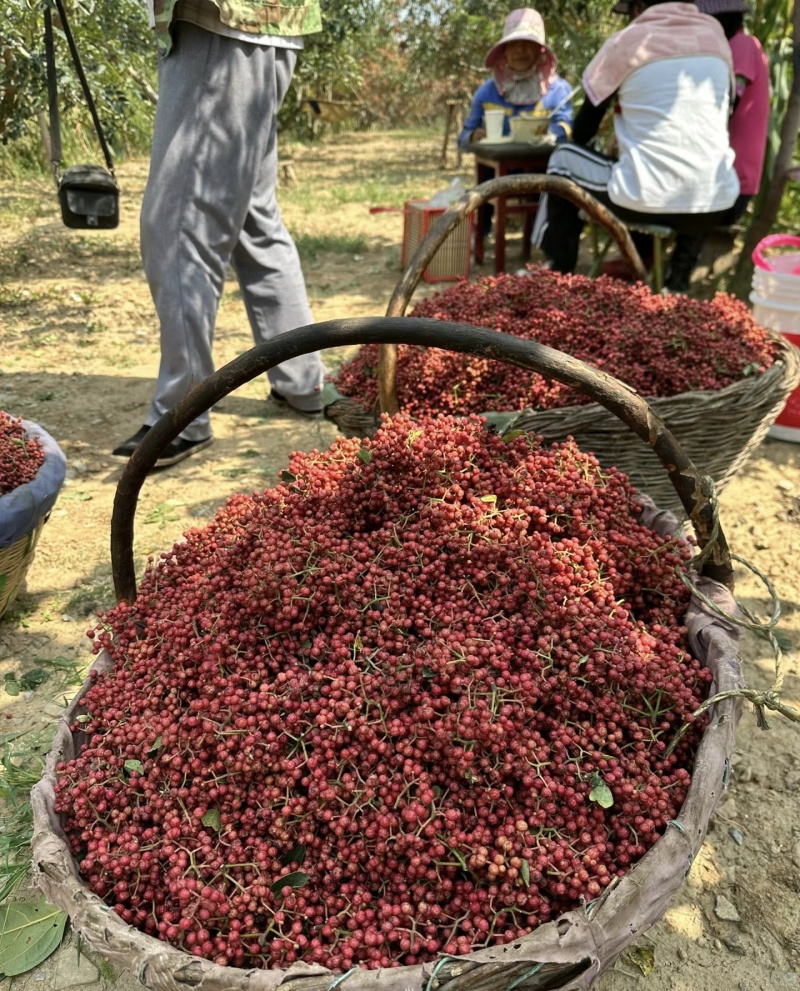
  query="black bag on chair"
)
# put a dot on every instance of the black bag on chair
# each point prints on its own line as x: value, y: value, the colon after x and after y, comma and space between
x: 88, y: 194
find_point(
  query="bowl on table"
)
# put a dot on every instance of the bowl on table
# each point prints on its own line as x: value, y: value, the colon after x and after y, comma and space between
x: 528, y: 129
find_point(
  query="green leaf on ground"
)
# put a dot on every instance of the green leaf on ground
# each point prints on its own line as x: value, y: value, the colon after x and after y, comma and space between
x: 364, y: 456
x: 29, y: 933
x: 645, y: 959
x: 133, y: 765
x: 32, y: 679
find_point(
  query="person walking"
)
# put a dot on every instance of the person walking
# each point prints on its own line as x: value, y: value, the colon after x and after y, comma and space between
x: 210, y: 198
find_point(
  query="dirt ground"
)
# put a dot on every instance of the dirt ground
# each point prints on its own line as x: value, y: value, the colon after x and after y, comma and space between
x: 79, y: 354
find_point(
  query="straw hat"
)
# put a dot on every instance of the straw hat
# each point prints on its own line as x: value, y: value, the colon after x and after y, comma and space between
x: 522, y: 24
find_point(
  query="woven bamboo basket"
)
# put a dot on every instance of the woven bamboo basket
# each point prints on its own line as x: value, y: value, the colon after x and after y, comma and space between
x: 14, y: 563
x: 564, y: 955
x: 720, y: 428
x: 23, y: 514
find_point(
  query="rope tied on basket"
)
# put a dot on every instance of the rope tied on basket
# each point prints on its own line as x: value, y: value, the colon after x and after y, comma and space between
x: 439, y: 963
x: 342, y: 977
x: 446, y: 957
x: 524, y: 977
x: 760, y: 700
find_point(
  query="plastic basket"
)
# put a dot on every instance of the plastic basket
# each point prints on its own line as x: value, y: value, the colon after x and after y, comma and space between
x: 451, y: 261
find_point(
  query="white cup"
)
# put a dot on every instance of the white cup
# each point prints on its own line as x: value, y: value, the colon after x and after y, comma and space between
x: 493, y: 123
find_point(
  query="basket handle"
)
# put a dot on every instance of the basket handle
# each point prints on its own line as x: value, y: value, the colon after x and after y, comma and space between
x: 506, y: 186
x: 694, y: 490
x: 774, y: 241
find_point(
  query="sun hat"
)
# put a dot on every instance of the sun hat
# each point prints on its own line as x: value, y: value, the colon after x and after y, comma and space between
x: 713, y: 7
x: 522, y: 24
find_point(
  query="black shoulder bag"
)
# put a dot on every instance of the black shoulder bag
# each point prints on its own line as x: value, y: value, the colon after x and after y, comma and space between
x: 88, y: 194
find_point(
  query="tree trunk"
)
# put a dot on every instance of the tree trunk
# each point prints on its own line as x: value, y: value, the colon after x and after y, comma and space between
x: 44, y: 130
x: 790, y: 126
x: 147, y: 90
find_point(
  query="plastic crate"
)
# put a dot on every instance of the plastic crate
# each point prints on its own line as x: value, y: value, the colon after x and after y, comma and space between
x: 452, y: 260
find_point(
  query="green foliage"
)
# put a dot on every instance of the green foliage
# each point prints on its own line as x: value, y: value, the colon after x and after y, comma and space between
x: 21, y: 766
x: 118, y: 55
x: 310, y: 245
x: 771, y: 21
x: 330, y: 66
x: 771, y: 24
x: 449, y: 39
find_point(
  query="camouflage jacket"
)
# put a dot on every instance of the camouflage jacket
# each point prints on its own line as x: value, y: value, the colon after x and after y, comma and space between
x: 275, y: 17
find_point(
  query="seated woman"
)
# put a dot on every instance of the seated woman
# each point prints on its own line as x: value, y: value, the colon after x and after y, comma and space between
x: 747, y: 127
x: 670, y: 74
x: 523, y: 79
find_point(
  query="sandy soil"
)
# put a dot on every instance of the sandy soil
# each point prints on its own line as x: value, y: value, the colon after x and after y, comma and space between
x: 79, y: 352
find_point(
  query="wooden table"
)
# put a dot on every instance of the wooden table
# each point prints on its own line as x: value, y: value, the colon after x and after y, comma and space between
x: 492, y: 161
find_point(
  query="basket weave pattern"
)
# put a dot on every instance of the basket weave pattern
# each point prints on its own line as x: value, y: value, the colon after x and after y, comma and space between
x: 14, y: 563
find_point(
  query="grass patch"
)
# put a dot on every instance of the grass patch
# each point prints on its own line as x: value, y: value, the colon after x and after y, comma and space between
x: 311, y: 245
x: 90, y: 599
x: 27, y: 206
x: 22, y: 757
x: 376, y: 192
x: 21, y: 768
x: 13, y: 298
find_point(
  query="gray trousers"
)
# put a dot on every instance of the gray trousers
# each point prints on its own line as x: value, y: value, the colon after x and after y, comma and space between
x: 210, y: 200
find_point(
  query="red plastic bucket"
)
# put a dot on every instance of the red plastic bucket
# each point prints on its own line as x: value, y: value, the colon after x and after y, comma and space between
x: 776, y: 305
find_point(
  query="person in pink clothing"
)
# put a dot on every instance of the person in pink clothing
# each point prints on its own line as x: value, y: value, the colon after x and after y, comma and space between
x: 747, y: 127
x: 750, y: 117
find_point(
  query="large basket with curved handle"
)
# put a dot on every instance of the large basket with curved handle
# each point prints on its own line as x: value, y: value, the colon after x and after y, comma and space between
x: 721, y: 428
x: 564, y: 955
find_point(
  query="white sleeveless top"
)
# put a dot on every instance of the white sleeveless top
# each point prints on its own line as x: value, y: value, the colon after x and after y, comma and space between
x: 672, y: 133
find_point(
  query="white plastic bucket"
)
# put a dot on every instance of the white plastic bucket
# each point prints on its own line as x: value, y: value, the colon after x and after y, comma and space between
x: 776, y: 306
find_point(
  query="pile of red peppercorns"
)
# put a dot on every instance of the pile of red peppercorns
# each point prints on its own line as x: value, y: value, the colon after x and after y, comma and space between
x: 659, y: 345
x: 21, y: 456
x: 415, y: 699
